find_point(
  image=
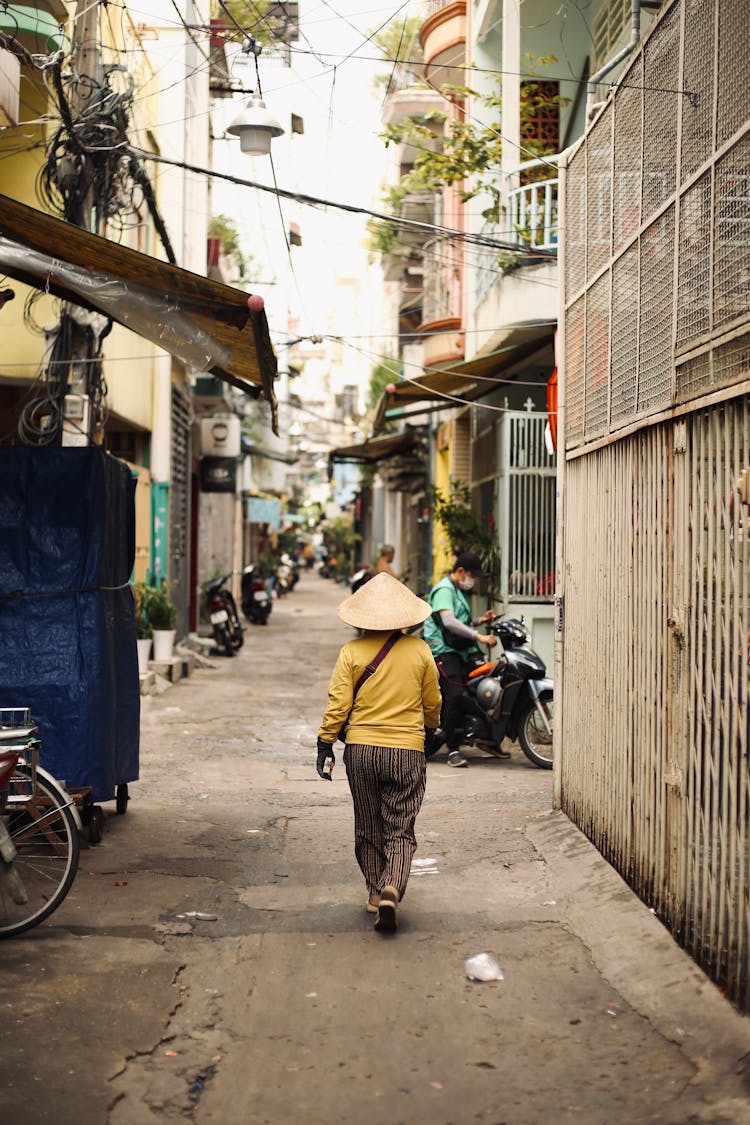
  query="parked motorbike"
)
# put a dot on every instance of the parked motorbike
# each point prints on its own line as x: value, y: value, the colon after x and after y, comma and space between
x: 364, y: 574
x: 255, y: 596
x: 287, y: 574
x: 509, y: 697
x: 223, y: 615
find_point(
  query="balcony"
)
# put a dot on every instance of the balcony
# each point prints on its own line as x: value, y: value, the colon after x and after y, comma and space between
x: 443, y: 39
x: 441, y: 307
x: 532, y: 207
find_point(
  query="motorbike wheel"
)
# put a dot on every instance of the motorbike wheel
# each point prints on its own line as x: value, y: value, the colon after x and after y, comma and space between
x: 223, y: 639
x: 535, y: 739
x: 238, y: 638
x: 44, y: 831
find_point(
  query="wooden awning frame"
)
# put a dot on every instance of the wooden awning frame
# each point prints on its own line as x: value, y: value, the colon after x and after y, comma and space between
x: 205, y: 323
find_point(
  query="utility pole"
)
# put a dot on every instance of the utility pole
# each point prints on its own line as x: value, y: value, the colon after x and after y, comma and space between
x: 83, y: 330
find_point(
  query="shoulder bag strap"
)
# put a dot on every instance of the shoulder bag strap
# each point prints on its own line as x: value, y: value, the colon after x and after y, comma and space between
x: 376, y: 660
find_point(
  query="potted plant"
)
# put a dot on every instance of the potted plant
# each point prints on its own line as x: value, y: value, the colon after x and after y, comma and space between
x: 162, y: 617
x: 142, y: 626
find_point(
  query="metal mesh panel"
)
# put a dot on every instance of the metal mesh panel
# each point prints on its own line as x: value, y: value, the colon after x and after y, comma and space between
x: 625, y: 294
x: 656, y: 352
x: 694, y: 377
x: 575, y: 330
x: 734, y: 51
x: 698, y: 77
x: 628, y: 163
x: 723, y: 367
x: 694, y: 277
x: 660, y: 75
x: 599, y: 193
x: 597, y: 357
x: 575, y: 222
x: 732, y: 234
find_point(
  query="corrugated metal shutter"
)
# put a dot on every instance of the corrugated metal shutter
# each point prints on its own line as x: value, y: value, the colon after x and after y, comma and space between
x: 461, y: 449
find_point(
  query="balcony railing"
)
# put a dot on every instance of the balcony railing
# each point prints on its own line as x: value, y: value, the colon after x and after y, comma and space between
x: 443, y: 265
x: 532, y: 207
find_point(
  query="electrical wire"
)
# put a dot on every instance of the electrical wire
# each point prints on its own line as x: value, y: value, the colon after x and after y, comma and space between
x: 395, y: 62
x: 469, y: 377
x: 450, y: 397
x: 314, y: 201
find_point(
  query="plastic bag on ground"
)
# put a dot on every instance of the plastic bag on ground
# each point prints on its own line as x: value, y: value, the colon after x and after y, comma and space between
x: 483, y: 966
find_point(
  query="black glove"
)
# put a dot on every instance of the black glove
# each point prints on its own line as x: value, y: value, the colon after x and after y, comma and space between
x: 325, y: 757
x: 429, y: 734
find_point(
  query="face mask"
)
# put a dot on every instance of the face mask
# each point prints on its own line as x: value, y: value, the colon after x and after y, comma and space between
x: 466, y: 584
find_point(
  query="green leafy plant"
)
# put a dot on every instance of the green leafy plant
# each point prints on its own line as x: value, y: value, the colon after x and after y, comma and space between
x: 399, y: 42
x: 465, y: 530
x: 342, y: 539
x: 470, y: 154
x: 161, y: 611
x: 142, y: 623
x: 225, y: 229
x: 263, y: 20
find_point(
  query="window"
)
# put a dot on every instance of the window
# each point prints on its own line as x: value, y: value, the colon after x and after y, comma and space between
x: 608, y: 28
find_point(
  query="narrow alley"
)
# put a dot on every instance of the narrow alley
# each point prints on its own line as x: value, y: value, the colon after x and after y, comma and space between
x: 214, y: 961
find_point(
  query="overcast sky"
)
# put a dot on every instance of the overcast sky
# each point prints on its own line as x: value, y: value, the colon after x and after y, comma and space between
x: 339, y: 158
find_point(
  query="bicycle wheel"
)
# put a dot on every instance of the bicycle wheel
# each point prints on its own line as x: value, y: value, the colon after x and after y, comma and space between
x: 44, y: 831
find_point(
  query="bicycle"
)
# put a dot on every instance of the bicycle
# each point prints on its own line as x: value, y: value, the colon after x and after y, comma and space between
x: 39, y: 829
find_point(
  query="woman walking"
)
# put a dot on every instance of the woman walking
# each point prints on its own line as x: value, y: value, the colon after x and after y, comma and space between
x: 384, y: 688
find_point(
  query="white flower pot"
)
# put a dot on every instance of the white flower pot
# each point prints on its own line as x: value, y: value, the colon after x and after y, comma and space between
x: 163, y: 644
x: 144, y: 650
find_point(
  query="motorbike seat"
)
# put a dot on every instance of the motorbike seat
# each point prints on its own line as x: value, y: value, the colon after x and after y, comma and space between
x: 482, y: 670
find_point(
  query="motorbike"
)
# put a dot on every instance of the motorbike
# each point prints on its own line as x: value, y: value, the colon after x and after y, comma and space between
x: 223, y: 615
x: 509, y: 697
x: 255, y: 596
x: 364, y: 574
x: 287, y: 574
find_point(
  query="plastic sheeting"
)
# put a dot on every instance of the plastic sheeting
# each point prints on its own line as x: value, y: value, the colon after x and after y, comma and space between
x: 67, y: 635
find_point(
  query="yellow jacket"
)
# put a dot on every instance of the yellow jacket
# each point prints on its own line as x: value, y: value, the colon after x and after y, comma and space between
x: 394, y: 705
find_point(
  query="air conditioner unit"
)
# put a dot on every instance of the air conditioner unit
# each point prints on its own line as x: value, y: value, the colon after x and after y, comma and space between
x: 221, y: 436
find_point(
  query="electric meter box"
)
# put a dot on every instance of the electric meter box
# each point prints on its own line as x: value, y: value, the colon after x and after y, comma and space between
x: 220, y: 436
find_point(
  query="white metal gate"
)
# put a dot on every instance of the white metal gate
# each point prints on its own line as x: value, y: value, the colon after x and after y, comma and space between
x: 654, y: 556
x: 526, y: 508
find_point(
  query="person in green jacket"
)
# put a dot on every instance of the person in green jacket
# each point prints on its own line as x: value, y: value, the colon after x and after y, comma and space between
x: 453, y: 638
x: 384, y: 687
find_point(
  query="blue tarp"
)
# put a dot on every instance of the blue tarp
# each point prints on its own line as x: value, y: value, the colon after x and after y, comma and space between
x: 67, y: 635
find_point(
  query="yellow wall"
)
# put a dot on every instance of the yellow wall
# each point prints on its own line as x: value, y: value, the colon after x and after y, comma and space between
x: 22, y: 350
x: 128, y: 366
x: 442, y: 556
x: 129, y: 371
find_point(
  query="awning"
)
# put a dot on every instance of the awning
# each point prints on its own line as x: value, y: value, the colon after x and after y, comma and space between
x: 468, y: 381
x: 204, y: 323
x: 375, y: 449
x: 37, y: 28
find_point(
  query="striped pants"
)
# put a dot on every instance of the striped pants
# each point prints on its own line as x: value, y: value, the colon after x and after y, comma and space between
x: 387, y: 786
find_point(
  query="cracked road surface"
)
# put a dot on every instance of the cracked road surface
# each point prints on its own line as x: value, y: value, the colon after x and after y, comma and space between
x: 214, y: 961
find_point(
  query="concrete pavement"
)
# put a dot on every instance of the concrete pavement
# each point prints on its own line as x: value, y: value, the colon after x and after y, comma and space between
x: 214, y: 960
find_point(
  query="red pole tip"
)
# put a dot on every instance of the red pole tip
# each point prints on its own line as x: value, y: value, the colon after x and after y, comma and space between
x: 255, y: 303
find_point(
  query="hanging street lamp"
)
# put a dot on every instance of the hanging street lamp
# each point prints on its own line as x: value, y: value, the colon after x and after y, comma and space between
x: 256, y: 127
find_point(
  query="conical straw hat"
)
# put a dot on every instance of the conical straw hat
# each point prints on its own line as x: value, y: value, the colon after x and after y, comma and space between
x: 384, y: 603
